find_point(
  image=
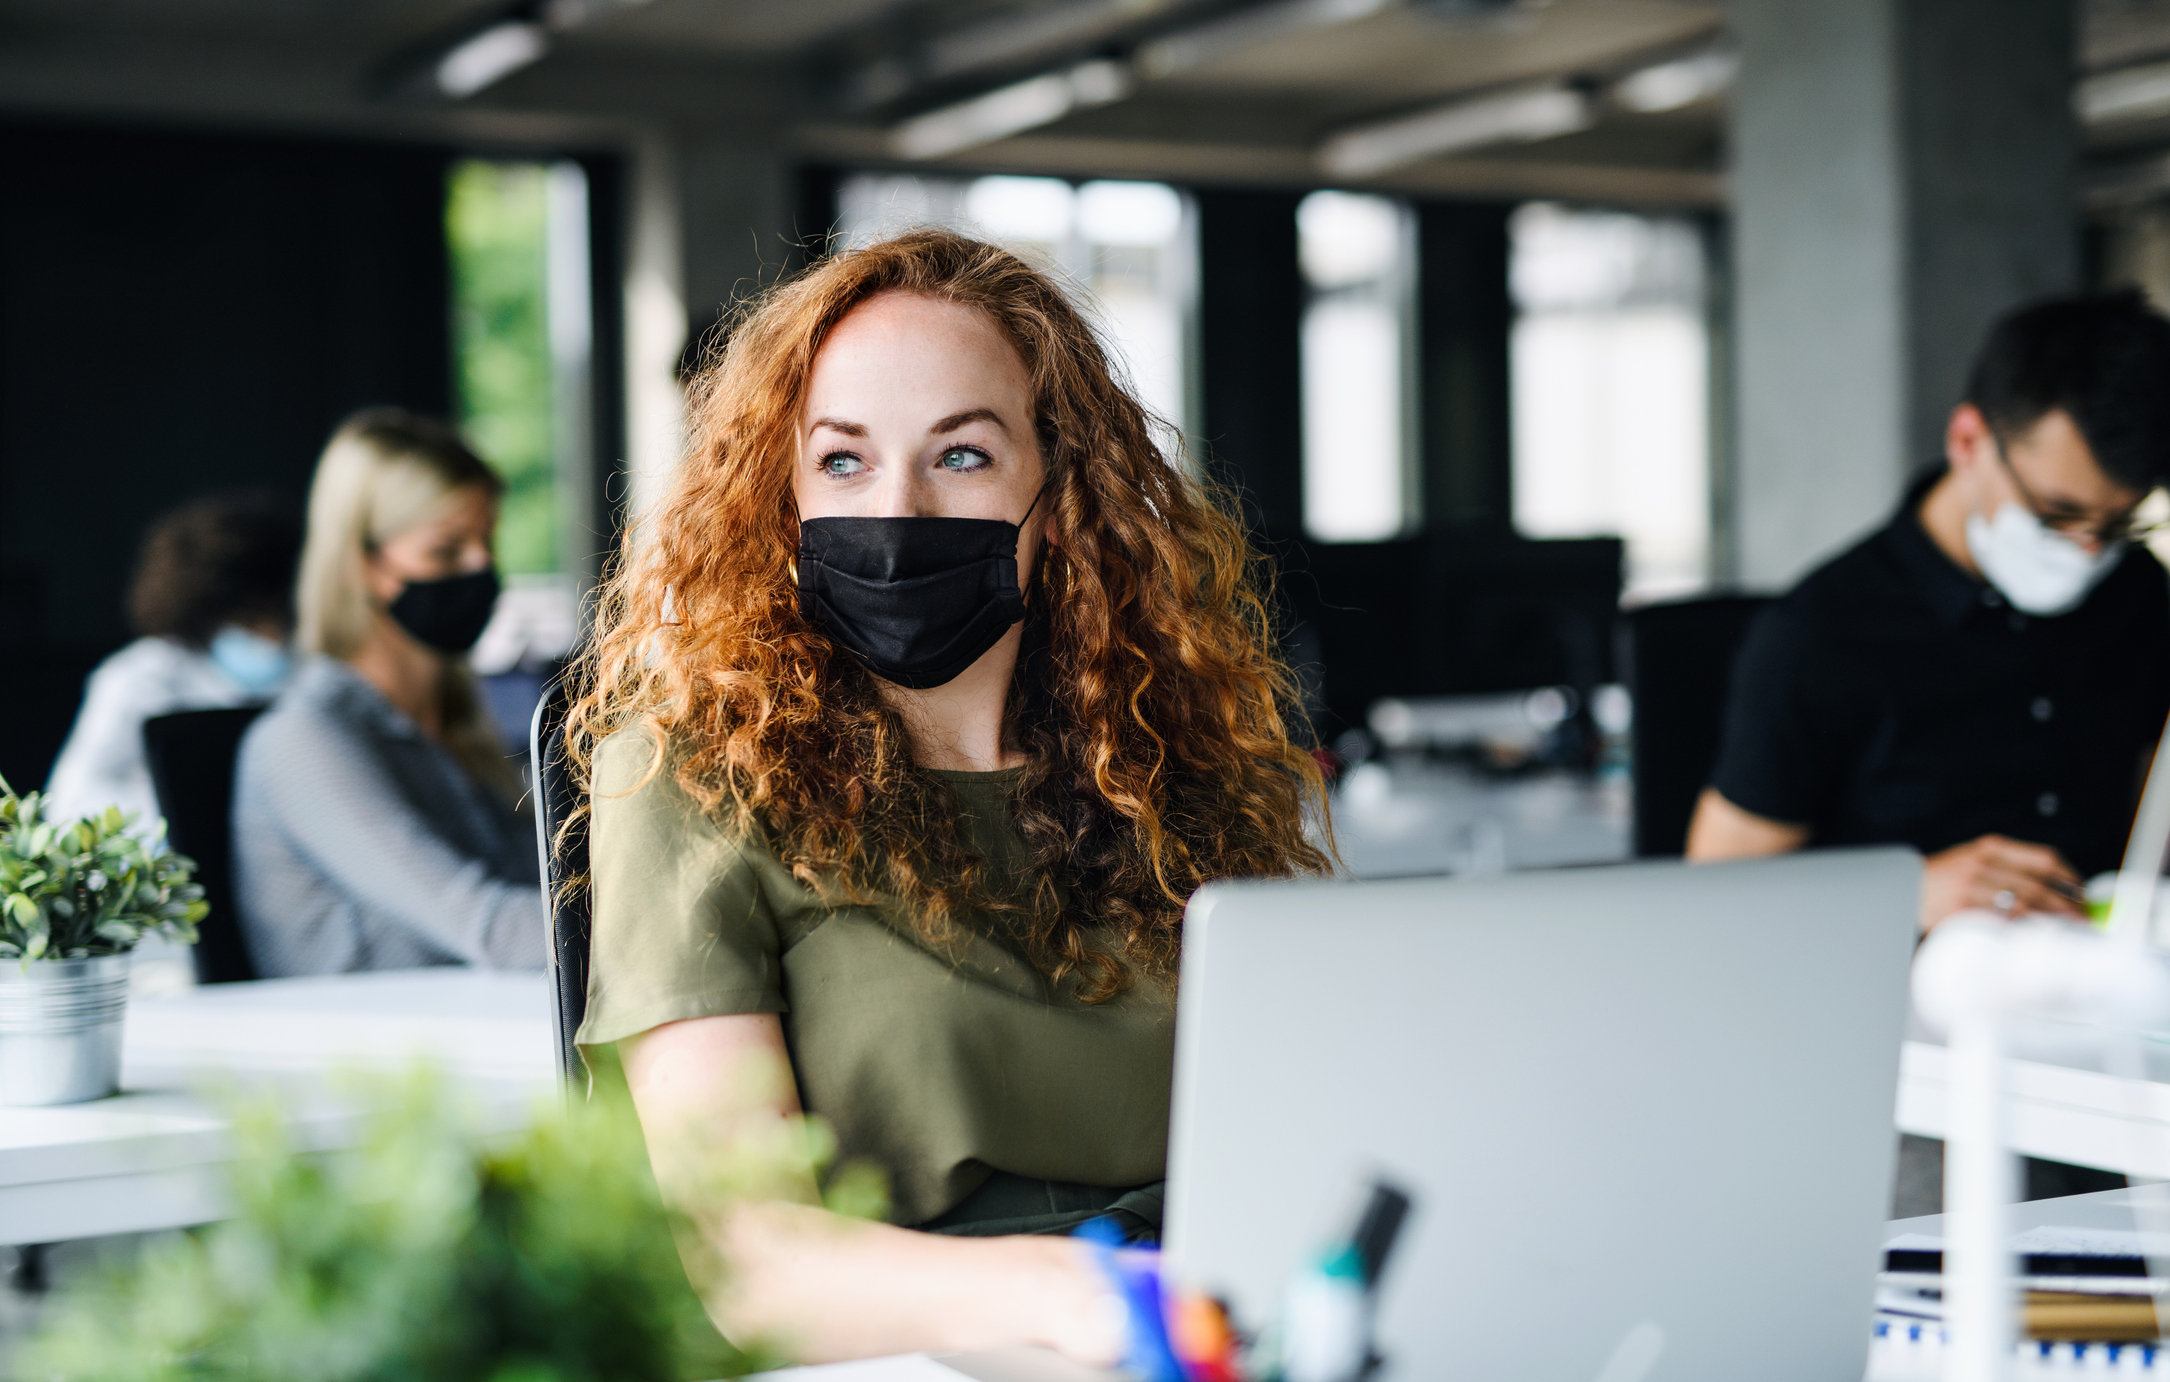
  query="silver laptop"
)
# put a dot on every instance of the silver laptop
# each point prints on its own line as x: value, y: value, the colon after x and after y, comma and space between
x: 1645, y: 1112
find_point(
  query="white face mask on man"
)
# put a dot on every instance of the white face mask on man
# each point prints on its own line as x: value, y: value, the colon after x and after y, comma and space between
x: 2039, y: 571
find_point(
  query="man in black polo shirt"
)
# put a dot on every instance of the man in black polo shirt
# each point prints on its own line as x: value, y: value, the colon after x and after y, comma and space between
x: 1984, y: 678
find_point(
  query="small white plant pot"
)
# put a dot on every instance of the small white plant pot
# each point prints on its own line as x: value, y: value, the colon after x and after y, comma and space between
x: 60, y: 1029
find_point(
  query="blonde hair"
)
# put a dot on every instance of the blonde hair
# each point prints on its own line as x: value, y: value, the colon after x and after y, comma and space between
x: 383, y: 471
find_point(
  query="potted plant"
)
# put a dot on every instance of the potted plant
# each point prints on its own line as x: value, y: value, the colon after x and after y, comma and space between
x: 75, y: 898
x: 430, y: 1254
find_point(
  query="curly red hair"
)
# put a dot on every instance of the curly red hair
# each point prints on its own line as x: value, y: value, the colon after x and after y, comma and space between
x: 1148, y: 698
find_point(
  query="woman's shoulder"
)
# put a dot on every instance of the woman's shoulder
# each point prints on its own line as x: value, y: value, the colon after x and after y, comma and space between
x: 162, y: 674
x: 636, y: 795
x: 625, y: 762
x: 676, y: 873
x: 325, y: 708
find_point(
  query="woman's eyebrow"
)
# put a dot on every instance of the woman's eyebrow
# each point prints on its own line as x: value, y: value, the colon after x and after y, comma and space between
x: 957, y: 420
x: 837, y: 424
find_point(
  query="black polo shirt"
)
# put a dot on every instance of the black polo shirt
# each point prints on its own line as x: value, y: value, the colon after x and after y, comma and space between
x: 1892, y: 698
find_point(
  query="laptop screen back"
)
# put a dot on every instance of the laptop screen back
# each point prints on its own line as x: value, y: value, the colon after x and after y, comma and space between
x: 1645, y: 1112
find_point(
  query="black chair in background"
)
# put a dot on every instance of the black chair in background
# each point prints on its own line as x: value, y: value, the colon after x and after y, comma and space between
x: 191, y: 756
x: 1679, y: 666
x: 557, y: 797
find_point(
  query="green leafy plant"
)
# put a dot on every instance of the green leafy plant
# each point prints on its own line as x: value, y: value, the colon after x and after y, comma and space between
x: 496, y: 229
x: 431, y: 1254
x: 72, y: 889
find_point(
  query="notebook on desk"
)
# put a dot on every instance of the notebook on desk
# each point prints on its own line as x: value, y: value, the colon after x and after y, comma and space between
x: 1645, y: 1111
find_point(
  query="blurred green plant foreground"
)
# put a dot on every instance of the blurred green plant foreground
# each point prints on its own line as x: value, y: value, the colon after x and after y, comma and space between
x: 429, y: 1255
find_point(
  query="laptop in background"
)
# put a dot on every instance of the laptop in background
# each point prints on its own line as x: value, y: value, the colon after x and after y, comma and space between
x: 1645, y: 1112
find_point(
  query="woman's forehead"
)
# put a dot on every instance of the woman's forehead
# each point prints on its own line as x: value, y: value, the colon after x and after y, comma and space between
x: 456, y: 510
x: 897, y: 339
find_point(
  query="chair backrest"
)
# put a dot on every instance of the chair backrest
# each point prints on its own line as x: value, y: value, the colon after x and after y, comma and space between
x: 557, y: 797
x: 1679, y: 660
x: 191, y: 756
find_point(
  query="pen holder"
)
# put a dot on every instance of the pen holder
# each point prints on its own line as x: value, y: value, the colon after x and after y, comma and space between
x: 60, y: 1030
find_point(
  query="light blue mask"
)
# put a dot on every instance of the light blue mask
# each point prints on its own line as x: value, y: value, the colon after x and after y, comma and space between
x: 255, y: 662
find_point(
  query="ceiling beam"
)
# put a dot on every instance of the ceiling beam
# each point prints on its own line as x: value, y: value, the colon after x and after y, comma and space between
x: 1201, y: 163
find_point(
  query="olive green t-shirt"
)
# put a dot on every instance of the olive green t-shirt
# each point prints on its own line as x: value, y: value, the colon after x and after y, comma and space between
x: 941, y: 1068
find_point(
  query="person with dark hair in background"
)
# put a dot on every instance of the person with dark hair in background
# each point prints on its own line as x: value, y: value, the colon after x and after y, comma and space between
x: 1986, y: 677
x: 213, y: 601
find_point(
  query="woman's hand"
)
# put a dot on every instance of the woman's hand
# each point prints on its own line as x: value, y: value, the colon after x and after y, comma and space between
x: 717, y: 1104
x: 826, y: 1289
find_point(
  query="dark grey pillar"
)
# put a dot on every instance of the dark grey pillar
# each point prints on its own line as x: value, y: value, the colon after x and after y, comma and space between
x: 740, y: 198
x: 1902, y: 175
x: 1250, y: 318
x: 1464, y: 317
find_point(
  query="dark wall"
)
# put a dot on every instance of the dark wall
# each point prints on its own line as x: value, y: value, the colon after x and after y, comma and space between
x: 181, y: 313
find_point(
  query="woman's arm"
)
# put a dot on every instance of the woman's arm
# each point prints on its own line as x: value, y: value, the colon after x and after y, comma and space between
x: 337, y: 803
x: 715, y: 1095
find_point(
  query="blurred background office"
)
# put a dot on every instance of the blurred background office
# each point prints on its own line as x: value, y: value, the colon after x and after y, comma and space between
x: 1540, y: 337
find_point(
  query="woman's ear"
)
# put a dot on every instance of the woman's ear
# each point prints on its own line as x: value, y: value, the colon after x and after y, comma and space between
x: 1047, y: 532
x: 378, y: 578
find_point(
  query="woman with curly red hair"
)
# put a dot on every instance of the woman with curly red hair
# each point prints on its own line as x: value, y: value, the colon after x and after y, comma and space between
x: 932, y: 695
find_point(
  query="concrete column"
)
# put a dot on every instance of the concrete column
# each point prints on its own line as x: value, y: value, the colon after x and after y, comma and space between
x: 736, y: 198
x: 1250, y: 319
x: 1902, y: 175
x: 655, y: 325
x: 1464, y: 320
x: 711, y: 223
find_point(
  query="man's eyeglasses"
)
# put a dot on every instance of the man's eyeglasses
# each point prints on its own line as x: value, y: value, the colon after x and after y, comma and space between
x: 2067, y: 522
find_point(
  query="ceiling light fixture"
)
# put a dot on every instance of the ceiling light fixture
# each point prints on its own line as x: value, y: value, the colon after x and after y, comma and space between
x: 490, y: 56
x: 2132, y: 93
x: 1508, y: 117
x: 1680, y: 82
x: 1009, y: 110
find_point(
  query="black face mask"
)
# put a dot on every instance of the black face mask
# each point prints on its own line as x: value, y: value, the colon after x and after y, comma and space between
x: 447, y: 615
x: 917, y: 600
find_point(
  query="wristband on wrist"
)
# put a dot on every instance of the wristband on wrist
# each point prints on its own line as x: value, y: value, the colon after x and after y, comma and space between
x: 1170, y: 1335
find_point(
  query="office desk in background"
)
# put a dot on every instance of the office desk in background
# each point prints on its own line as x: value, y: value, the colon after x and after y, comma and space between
x: 1412, y: 816
x: 2073, y: 1098
x: 154, y: 1156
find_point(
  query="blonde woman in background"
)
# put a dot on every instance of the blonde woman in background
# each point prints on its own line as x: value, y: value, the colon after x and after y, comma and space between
x: 373, y: 808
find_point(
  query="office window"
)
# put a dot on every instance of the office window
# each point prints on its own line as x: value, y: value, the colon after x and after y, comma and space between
x: 1611, y: 389
x: 1130, y: 245
x: 1359, y: 438
x: 517, y: 236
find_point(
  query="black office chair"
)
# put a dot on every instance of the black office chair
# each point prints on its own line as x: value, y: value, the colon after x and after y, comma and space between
x: 191, y: 756
x: 1679, y: 665
x: 557, y: 796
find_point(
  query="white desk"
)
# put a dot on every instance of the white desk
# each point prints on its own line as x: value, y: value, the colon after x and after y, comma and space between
x: 2109, y: 1211
x: 154, y: 1156
x: 1416, y: 817
x: 2066, y: 1105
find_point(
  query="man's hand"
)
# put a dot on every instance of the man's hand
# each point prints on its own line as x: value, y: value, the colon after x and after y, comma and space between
x: 2008, y: 876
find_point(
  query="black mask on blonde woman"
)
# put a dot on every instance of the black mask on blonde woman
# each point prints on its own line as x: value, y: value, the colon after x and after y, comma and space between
x: 916, y: 600
x: 447, y: 615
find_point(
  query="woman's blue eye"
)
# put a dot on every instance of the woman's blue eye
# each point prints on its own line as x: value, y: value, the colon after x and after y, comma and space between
x: 842, y: 463
x: 962, y: 458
